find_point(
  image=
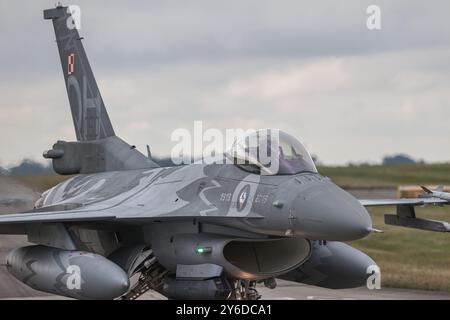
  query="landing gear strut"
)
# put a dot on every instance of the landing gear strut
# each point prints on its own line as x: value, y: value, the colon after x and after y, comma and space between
x: 245, y: 290
x: 151, y: 278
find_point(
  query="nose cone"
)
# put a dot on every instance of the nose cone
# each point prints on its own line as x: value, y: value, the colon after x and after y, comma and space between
x: 326, y: 212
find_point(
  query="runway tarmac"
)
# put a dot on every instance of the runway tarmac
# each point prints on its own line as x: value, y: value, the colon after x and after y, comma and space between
x: 16, y: 197
x: 293, y: 291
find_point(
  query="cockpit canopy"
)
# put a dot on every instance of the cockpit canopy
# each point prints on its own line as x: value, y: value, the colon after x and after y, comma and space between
x: 271, y: 152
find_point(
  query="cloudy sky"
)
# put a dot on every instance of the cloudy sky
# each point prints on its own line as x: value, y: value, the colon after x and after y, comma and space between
x: 311, y: 68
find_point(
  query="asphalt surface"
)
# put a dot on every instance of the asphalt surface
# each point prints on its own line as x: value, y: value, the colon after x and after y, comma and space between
x: 293, y: 291
x: 16, y: 197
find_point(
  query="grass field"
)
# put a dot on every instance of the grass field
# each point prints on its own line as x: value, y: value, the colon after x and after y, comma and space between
x: 392, y: 175
x: 42, y: 183
x: 408, y: 258
x: 352, y: 176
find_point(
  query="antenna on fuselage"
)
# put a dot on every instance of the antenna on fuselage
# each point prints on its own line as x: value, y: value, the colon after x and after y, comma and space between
x: 149, y: 153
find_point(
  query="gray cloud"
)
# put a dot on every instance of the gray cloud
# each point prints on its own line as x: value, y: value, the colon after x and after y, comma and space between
x: 312, y: 69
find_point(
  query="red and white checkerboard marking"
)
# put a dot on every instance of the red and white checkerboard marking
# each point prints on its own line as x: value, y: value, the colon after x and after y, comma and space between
x: 70, y: 63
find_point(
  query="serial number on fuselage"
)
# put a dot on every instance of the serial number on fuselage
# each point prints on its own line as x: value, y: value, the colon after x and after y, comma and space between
x: 259, y: 198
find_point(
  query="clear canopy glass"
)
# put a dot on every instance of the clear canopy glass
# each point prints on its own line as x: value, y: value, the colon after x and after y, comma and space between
x: 271, y: 152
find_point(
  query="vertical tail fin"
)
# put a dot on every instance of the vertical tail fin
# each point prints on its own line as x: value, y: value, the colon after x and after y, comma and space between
x: 89, y: 114
x: 98, y: 148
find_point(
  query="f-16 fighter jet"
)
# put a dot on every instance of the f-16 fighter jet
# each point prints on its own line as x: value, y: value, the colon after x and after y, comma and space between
x: 122, y: 225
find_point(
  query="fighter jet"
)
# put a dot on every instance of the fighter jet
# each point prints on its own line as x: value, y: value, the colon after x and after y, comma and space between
x: 122, y: 225
x: 438, y: 193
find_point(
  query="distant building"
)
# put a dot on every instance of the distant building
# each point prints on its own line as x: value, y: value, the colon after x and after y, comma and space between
x: 398, y: 159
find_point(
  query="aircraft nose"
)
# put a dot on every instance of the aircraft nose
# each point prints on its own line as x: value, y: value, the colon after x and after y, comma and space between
x: 326, y: 212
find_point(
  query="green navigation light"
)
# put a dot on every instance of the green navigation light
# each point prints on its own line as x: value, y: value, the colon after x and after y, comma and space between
x: 203, y: 250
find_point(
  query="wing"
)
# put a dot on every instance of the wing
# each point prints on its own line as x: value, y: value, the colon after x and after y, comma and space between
x: 402, y: 202
x: 51, y: 216
x: 406, y: 215
x: 16, y: 223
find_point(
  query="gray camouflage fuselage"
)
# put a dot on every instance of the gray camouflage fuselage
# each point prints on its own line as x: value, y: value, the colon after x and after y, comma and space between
x: 304, y: 205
